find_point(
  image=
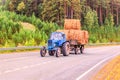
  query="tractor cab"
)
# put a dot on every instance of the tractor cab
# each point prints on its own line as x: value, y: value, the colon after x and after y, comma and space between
x: 56, y: 40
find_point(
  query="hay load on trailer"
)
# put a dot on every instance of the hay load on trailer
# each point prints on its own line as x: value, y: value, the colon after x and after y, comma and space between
x: 76, y: 37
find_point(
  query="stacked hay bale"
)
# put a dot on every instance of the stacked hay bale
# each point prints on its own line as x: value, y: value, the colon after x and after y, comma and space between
x: 72, y: 24
x: 72, y: 29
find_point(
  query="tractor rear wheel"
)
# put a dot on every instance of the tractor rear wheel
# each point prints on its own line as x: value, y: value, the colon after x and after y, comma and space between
x: 43, y: 52
x: 66, y: 49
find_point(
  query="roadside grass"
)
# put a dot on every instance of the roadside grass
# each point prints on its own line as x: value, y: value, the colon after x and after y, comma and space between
x: 111, y: 71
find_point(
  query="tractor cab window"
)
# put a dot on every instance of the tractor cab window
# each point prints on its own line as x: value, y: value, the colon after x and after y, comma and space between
x: 56, y: 36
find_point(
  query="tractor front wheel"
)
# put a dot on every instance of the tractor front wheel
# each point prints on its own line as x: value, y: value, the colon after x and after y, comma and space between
x: 43, y: 52
x: 51, y: 53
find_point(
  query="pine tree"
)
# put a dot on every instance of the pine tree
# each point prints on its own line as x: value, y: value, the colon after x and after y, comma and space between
x: 89, y: 19
x: 52, y: 10
x: 76, y: 8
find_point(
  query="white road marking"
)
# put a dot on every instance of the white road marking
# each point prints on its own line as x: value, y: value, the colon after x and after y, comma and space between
x: 98, y: 64
x: 26, y: 67
x: 14, y: 59
x: 8, y: 71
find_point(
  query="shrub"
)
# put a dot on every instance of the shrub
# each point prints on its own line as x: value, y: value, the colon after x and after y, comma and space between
x: 17, y: 39
x: 11, y: 29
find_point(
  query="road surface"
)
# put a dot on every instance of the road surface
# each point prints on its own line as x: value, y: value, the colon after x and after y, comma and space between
x: 30, y: 66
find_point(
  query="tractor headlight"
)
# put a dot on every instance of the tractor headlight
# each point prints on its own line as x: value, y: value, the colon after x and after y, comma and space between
x: 54, y: 44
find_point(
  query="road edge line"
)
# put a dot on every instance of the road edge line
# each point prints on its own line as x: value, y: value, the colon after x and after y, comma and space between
x: 95, y: 66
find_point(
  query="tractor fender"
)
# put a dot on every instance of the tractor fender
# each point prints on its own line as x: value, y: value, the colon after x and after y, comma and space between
x: 65, y: 42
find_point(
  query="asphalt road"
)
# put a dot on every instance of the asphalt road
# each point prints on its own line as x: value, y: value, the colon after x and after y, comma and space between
x: 30, y: 66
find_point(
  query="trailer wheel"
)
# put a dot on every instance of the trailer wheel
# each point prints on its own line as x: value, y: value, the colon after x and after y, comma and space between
x: 82, y: 49
x: 43, y: 52
x: 51, y: 53
x: 66, y: 49
x: 76, y: 50
x: 58, y: 52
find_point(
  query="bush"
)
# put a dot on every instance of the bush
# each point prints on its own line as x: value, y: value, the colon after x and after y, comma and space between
x: 11, y: 30
x: 104, y: 34
x: 37, y: 37
x: 17, y: 39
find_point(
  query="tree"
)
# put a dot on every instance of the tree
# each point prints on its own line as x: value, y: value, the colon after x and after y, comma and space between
x: 21, y: 7
x: 75, y: 4
x: 89, y: 19
x: 109, y: 21
x: 52, y: 10
x: 27, y: 7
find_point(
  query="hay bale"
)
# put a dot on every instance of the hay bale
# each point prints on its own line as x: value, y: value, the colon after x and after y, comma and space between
x: 72, y: 24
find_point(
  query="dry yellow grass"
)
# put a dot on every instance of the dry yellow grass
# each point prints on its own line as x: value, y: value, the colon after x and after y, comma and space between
x: 111, y: 71
x: 28, y: 26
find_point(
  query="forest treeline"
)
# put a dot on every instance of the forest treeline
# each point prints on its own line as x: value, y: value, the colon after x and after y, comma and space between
x: 57, y: 10
x: 100, y: 17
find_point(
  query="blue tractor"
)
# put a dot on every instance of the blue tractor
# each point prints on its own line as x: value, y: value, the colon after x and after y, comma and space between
x: 56, y: 45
